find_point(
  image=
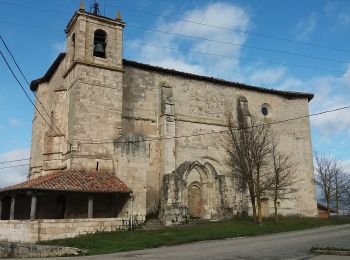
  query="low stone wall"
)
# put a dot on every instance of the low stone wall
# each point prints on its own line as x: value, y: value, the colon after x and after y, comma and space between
x: 50, y: 229
x: 24, y: 250
x: 19, y: 230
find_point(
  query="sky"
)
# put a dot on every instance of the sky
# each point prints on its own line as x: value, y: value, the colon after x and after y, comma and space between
x: 288, y: 45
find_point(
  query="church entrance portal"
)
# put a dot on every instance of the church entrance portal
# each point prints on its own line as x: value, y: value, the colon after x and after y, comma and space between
x: 195, y: 203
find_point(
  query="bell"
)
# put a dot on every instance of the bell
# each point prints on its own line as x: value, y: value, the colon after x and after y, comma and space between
x: 99, y: 49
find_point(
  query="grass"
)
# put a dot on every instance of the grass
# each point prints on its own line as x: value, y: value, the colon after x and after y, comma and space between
x: 103, y: 243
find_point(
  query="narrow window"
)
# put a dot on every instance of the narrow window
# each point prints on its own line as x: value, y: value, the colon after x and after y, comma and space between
x: 96, y: 166
x: 100, y: 44
x: 73, y: 46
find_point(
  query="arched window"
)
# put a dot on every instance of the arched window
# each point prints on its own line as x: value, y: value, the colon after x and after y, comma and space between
x: 100, y: 42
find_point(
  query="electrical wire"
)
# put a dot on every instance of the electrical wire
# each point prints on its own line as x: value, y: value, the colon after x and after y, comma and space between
x: 25, y: 78
x: 192, y: 22
x: 28, y: 97
x: 195, y: 135
x: 236, y: 58
x: 222, y: 131
x: 206, y: 39
x: 14, y: 166
x: 236, y: 44
x: 18, y: 160
x: 232, y: 29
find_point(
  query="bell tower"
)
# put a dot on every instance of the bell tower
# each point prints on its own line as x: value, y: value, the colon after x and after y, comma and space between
x: 95, y: 39
x: 93, y: 78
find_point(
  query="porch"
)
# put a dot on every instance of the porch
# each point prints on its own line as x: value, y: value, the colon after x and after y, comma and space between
x: 63, y: 204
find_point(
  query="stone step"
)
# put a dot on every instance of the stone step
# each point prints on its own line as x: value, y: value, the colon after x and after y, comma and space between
x: 152, y: 224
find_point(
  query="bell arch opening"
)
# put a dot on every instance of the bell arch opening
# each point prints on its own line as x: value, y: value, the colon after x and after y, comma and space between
x: 100, y: 43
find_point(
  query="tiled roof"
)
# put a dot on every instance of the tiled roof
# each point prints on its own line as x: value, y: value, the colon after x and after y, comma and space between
x: 75, y: 181
x: 292, y: 94
x: 49, y: 73
x: 324, y: 207
x: 289, y: 94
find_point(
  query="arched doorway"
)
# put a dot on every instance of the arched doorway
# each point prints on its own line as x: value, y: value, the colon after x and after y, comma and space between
x: 195, y: 202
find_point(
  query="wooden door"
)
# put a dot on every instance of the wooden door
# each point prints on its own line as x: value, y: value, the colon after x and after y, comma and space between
x: 195, y: 204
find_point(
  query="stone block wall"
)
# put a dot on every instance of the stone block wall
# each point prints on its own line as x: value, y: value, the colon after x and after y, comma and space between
x: 199, y: 106
x: 50, y: 229
x: 28, y: 250
x: 19, y: 230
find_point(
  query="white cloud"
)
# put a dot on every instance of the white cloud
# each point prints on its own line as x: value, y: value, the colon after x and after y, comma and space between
x: 17, y: 174
x: 267, y: 76
x: 14, y: 122
x: 59, y: 46
x: 343, y: 20
x: 305, y: 27
x: 330, y: 8
x: 346, y: 165
x: 226, y: 15
x: 331, y: 91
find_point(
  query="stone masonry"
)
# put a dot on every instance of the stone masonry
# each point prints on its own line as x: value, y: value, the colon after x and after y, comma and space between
x: 127, y: 117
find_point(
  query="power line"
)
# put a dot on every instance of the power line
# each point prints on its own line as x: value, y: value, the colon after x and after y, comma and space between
x: 236, y: 58
x: 199, y: 134
x: 25, y: 92
x: 25, y: 78
x: 14, y: 166
x: 238, y: 44
x: 222, y: 131
x: 219, y: 55
x: 215, y: 54
x: 19, y: 160
x: 211, y: 40
x: 233, y: 29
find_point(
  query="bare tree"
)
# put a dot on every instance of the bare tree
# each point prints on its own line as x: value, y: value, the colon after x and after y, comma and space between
x: 248, y: 148
x: 239, y: 160
x: 284, y: 174
x: 341, y: 184
x: 326, y: 168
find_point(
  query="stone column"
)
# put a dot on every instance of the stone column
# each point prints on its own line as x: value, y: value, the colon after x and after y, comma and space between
x: 90, y: 207
x: 167, y: 131
x: 33, y: 207
x: 12, y: 207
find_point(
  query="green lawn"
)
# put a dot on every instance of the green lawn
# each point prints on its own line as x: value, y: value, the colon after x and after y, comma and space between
x: 102, y: 243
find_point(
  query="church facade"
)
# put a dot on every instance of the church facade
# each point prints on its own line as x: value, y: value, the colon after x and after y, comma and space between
x: 149, y: 138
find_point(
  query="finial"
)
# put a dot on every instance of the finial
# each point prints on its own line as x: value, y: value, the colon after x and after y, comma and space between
x: 119, y: 17
x: 82, y: 6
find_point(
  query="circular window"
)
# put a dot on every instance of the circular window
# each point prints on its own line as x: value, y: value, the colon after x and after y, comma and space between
x: 265, y: 109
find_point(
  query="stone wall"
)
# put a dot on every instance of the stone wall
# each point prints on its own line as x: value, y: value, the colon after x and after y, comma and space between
x: 50, y: 229
x: 198, y: 106
x: 103, y: 108
x: 27, y: 250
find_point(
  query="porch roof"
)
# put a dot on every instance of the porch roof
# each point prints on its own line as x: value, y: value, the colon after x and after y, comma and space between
x: 74, y: 181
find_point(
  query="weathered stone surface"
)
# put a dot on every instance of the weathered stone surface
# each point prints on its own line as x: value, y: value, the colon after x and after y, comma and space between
x: 50, y: 229
x: 126, y: 118
x: 26, y: 250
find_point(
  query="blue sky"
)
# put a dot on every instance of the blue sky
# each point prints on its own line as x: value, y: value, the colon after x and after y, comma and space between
x: 34, y: 30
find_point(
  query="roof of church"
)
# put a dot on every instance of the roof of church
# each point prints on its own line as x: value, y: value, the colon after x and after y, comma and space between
x: 74, y: 181
x: 292, y: 94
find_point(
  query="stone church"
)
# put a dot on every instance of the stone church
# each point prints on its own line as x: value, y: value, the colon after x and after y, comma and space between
x: 132, y: 139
